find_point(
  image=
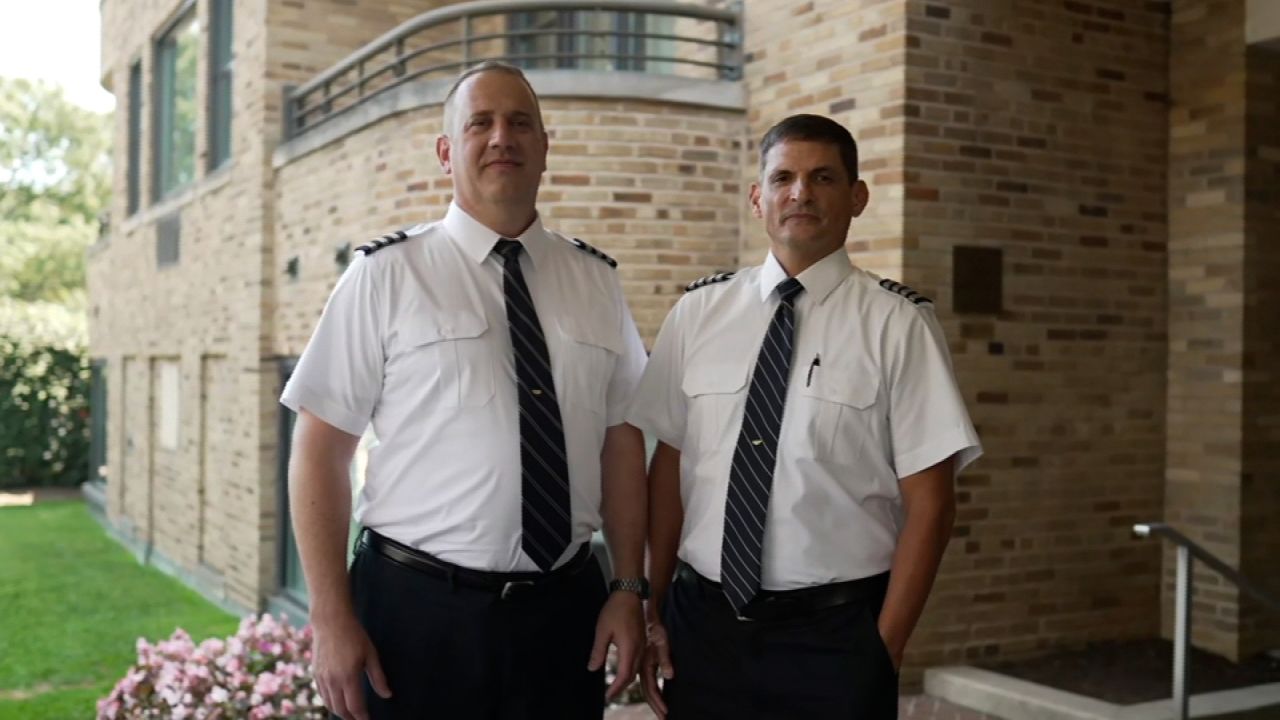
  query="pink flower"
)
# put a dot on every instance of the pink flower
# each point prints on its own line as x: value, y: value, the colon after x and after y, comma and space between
x: 265, y: 663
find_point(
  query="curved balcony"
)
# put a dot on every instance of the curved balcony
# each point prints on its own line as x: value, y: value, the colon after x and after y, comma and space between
x: 666, y: 49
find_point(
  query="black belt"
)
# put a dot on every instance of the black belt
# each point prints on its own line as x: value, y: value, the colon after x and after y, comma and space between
x: 780, y: 604
x: 505, y: 584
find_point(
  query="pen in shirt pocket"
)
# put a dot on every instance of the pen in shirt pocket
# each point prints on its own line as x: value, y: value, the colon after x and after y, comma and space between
x: 817, y: 362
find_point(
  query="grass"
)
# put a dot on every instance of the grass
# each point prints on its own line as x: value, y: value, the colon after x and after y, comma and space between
x: 75, y: 603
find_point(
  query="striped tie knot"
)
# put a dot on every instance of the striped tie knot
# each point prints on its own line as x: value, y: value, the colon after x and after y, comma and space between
x: 508, y: 249
x: 788, y: 290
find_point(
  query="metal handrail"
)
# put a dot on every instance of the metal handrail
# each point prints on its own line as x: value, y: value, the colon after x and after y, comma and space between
x: 1188, y: 550
x: 349, y: 80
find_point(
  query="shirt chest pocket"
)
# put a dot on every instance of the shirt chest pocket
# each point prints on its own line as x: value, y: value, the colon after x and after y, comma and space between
x: 588, y: 354
x: 845, y: 414
x: 715, y: 392
x: 451, y: 355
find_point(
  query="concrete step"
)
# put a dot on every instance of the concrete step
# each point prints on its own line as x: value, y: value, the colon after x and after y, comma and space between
x: 1013, y: 699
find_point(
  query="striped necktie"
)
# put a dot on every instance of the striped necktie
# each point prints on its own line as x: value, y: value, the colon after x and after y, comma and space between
x: 756, y: 454
x: 544, y: 472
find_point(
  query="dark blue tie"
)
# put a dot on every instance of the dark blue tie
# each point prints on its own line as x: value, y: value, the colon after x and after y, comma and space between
x: 756, y: 454
x: 544, y: 472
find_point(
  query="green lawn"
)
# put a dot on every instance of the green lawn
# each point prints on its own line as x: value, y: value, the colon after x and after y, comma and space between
x: 74, y: 603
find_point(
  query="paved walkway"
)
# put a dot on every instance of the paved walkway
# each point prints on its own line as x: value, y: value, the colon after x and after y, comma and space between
x: 910, y: 707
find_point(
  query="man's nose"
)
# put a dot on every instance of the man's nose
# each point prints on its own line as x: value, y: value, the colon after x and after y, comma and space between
x: 500, y: 135
x: 800, y: 191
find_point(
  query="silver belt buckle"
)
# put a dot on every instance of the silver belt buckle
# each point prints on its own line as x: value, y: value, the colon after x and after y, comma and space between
x: 513, y: 587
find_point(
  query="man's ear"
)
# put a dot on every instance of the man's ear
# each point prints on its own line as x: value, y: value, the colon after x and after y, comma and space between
x: 861, y: 196
x: 443, y: 154
x: 754, y: 194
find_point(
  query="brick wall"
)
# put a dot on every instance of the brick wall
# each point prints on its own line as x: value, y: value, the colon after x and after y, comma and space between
x: 1039, y: 129
x: 1206, y: 323
x: 208, y: 304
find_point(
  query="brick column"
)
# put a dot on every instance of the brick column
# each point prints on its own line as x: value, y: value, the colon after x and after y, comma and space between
x: 1224, y: 336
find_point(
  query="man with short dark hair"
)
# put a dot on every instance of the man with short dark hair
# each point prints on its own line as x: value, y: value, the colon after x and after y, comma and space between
x: 494, y: 359
x: 809, y: 430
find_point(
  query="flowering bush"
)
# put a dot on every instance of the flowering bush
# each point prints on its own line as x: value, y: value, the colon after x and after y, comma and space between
x: 263, y: 672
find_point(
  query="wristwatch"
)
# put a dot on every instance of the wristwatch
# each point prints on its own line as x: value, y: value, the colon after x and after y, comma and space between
x: 637, y: 585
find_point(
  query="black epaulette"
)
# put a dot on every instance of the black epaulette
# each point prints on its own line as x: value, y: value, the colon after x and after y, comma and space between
x: 377, y: 244
x: 904, y: 291
x: 709, y: 280
x: 593, y: 251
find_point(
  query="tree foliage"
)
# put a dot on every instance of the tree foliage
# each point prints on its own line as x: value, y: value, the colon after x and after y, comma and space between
x: 54, y: 185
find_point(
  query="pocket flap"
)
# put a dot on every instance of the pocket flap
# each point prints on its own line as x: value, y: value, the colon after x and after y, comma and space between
x: 427, y: 330
x: 714, y: 378
x: 855, y: 385
x: 588, y: 331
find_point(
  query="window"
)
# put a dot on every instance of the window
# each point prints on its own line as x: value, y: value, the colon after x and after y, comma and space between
x: 607, y: 38
x: 219, y: 83
x: 135, y: 136
x: 168, y: 239
x: 98, y: 421
x: 175, y: 106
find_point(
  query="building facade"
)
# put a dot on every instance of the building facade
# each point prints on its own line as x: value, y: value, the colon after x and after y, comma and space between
x: 1087, y: 189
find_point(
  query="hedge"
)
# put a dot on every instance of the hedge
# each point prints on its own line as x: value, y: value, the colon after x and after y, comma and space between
x: 44, y: 395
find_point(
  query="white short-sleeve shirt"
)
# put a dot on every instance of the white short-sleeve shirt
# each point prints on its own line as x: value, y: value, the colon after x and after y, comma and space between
x: 871, y: 399
x: 414, y: 339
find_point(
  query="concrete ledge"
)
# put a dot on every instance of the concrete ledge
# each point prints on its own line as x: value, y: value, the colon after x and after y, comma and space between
x: 204, y: 580
x: 587, y: 84
x: 1014, y: 699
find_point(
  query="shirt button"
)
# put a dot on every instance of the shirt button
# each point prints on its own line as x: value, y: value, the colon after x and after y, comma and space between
x: 536, y: 391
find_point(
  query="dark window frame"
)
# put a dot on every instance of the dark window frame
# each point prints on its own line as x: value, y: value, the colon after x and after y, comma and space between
x: 134, y: 149
x: 221, y: 63
x: 163, y: 81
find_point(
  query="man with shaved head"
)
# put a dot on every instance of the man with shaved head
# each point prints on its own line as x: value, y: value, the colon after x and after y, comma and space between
x: 494, y: 359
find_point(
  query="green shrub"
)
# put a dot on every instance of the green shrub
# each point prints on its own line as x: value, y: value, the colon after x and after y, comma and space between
x: 44, y: 391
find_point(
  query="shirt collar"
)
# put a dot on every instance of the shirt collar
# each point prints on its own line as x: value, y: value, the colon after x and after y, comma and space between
x: 477, y: 241
x: 819, y: 279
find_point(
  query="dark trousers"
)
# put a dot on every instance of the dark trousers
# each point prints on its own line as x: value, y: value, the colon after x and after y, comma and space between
x: 450, y: 651
x: 829, y: 663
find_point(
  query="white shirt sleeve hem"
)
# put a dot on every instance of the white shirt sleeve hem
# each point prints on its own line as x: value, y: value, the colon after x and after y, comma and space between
x: 296, y: 397
x: 960, y: 442
x: 650, y: 430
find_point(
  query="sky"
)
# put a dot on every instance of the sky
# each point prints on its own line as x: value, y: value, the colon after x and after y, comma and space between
x: 57, y: 41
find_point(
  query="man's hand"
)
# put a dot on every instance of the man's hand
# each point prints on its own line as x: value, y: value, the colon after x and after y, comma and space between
x: 657, y: 658
x: 621, y: 623
x: 895, y: 647
x: 341, y: 652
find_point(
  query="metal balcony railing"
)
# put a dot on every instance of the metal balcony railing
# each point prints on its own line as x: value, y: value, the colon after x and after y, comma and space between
x: 1189, y: 550
x: 651, y: 36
